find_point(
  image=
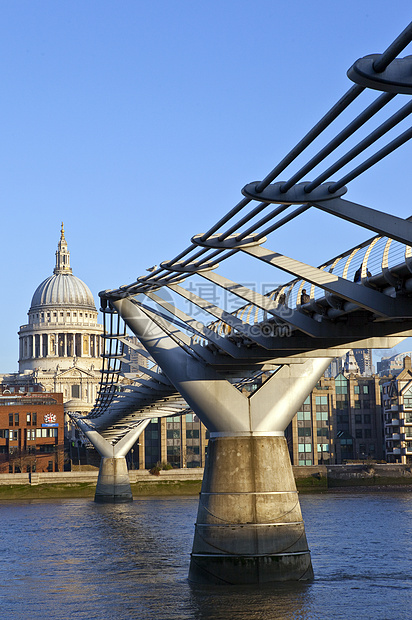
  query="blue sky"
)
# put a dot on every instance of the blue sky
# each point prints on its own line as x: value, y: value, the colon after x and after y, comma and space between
x: 137, y: 124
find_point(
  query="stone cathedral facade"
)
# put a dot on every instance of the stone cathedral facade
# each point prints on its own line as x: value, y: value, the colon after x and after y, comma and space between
x: 61, y: 345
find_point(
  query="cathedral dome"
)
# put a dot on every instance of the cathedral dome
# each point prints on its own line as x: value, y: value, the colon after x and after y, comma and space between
x: 62, y: 289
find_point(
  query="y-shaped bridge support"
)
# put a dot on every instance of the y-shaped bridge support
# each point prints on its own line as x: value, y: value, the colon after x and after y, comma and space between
x: 249, y: 525
x: 113, y: 484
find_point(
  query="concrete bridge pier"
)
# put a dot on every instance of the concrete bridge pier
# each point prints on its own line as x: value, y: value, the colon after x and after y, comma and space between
x: 113, y: 484
x: 249, y: 526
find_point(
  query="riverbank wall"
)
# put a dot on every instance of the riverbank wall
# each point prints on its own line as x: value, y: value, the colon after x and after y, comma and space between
x: 82, y: 483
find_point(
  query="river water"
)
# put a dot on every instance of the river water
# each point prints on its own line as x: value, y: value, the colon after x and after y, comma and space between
x: 73, y: 559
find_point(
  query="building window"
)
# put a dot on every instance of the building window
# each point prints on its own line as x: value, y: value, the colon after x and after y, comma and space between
x: 356, y: 389
x: 366, y: 389
x: 358, y: 419
x: 367, y: 418
x: 75, y: 391
x: 341, y: 385
x: 407, y: 399
x: 358, y: 433
x: 16, y: 419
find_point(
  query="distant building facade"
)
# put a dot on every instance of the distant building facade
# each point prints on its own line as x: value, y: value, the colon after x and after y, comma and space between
x: 133, y: 361
x: 31, y: 431
x: 393, y: 364
x: 397, y: 411
x: 340, y: 421
x: 179, y: 440
x: 363, y: 358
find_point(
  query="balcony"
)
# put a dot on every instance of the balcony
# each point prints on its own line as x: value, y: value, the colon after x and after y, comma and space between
x: 396, y: 450
x: 396, y: 437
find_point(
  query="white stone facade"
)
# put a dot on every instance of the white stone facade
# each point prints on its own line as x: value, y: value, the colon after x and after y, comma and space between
x: 61, y: 345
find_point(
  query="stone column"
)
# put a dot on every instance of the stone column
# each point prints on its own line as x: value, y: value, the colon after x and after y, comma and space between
x: 141, y: 447
x: 183, y: 442
x: 163, y: 440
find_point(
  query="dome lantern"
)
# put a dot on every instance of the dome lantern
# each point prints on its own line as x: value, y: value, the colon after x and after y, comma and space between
x: 62, y: 256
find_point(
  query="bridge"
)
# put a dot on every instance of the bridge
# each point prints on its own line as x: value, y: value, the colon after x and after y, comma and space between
x: 249, y: 525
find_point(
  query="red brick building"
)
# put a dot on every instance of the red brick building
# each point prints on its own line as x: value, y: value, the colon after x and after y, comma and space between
x: 31, y: 431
